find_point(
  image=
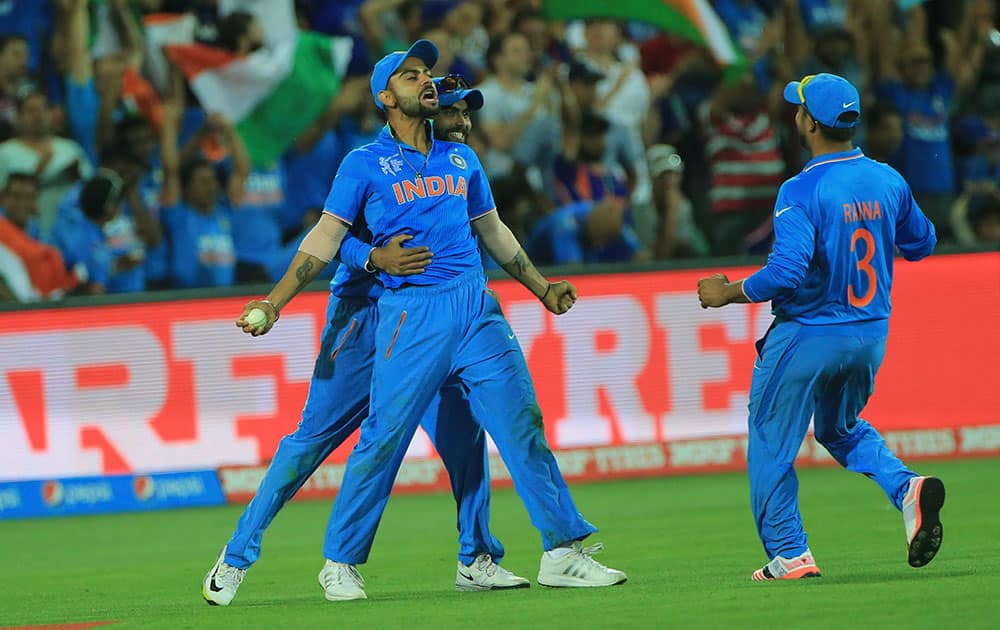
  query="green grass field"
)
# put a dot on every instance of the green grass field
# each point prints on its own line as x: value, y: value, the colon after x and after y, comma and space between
x: 688, y: 545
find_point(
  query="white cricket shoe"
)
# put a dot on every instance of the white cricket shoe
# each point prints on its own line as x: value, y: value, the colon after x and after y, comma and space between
x: 220, y: 585
x: 485, y: 575
x: 575, y: 567
x: 341, y: 582
x: 922, y: 519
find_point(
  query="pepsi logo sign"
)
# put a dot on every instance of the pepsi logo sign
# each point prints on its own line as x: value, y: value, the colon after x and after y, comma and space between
x: 144, y: 488
x: 53, y: 493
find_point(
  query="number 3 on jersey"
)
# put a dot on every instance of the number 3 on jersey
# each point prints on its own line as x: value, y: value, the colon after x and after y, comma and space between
x: 864, y: 266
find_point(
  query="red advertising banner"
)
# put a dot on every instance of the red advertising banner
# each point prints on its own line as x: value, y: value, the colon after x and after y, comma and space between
x: 175, y: 386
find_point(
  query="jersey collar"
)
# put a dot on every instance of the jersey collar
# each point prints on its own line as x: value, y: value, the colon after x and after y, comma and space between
x: 388, y: 135
x: 829, y: 158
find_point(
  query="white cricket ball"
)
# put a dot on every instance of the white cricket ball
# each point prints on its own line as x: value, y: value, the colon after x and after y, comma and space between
x: 257, y: 318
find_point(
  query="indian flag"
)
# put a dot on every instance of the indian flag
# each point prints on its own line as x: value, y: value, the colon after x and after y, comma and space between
x: 161, y: 29
x: 694, y: 20
x: 272, y: 95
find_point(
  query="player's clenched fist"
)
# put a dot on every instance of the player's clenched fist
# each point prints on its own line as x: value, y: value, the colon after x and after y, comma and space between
x: 257, y: 318
x: 559, y: 297
x: 712, y: 290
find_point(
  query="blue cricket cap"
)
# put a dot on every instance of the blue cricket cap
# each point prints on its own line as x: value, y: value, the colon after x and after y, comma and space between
x: 826, y: 96
x: 422, y: 49
x: 473, y: 97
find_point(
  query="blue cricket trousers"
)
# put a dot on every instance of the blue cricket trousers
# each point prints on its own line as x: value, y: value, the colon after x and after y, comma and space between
x: 337, y: 403
x: 428, y: 337
x: 826, y: 373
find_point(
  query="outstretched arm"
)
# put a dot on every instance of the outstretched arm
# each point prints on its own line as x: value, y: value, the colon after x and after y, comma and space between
x: 127, y: 29
x: 78, y: 59
x: 236, y: 184
x: 501, y: 244
x: 170, y: 161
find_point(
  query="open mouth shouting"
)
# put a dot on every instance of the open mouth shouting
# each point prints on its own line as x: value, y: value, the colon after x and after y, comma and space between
x: 429, y: 97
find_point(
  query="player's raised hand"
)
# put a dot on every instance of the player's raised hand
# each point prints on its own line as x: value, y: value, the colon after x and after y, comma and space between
x: 559, y: 297
x: 711, y: 290
x: 397, y: 260
x: 248, y: 324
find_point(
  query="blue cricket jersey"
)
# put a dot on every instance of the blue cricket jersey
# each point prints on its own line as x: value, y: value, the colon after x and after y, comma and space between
x: 202, y: 253
x: 381, y: 180
x: 150, y: 187
x: 350, y: 279
x: 256, y: 231
x: 837, y: 225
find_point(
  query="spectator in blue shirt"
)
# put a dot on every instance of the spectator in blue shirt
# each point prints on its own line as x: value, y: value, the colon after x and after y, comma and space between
x: 134, y: 231
x: 924, y: 96
x: 79, y: 232
x: 255, y: 197
x: 883, y: 131
x: 309, y: 169
x: 199, y: 231
x: 196, y: 216
x: 257, y: 222
x: 136, y: 133
x: 91, y: 229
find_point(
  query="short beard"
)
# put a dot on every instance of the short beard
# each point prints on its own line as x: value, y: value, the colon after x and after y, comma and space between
x: 413, y: 108
x: 442, y: 134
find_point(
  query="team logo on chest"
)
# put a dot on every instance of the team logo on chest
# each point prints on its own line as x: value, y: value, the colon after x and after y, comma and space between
x: 457, y: 160
x: 390, y: 165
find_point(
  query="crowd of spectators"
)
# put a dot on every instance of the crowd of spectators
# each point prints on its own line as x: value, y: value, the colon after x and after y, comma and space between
x: 604, y: 140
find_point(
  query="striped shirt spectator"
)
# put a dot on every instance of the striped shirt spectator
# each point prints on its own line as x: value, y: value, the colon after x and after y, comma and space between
x: 746, y: 166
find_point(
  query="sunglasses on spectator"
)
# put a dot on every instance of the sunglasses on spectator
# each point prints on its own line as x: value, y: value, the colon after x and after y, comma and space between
x: 451, y: 83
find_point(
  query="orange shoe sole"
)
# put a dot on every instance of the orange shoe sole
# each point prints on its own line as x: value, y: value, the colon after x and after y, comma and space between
x: 929, y: 532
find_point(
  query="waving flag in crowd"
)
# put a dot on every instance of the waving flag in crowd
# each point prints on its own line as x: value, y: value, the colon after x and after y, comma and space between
x: 161, y: 29
x: 694, y: 20
x: 271, y: 95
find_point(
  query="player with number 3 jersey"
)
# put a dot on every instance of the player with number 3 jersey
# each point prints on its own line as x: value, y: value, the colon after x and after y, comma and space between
x: 837, y: 226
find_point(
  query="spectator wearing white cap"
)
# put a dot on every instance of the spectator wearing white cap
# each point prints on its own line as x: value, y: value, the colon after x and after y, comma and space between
x: 677, y: 234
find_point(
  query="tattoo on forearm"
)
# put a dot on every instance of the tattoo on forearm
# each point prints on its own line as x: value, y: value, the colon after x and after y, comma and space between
x: 304, y: 273
x: 521, y: 268
x: 519, y: 265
